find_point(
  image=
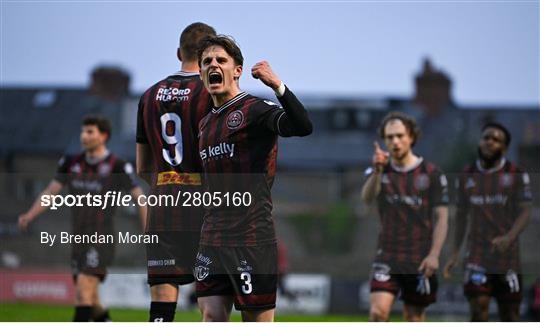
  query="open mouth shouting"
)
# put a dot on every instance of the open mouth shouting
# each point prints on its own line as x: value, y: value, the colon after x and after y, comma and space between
x: 215, y: 79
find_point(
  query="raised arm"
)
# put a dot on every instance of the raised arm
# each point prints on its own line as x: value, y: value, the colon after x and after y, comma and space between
x: 294, y: 120
x: 372, y: 186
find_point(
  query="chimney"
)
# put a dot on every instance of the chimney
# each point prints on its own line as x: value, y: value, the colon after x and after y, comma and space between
x: 432, y: 89
x: 109, y: 83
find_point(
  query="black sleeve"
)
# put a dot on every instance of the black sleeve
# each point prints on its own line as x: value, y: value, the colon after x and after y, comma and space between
x: 63, y: 169
x: 523, y: 189
x: 141, y: 132
x: 292, y: 120
x: 439, y: 189
x: 126, y: 176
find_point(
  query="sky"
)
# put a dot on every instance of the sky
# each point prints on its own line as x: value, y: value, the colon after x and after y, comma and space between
x: 490, y: 49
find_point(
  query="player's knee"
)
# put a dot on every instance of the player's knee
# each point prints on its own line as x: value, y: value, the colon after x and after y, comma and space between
x: 378, y: 314
x: 164, y: 293
x: 414, y: 313
x: 479, y: 314
x: 258, y: 316
x: 507, y: 317
x: 86, y: 290
x: 479, y: 309
x: 85, y: 296
x: 414, y: 317
x: 214, y: 315
x: 509, y: 314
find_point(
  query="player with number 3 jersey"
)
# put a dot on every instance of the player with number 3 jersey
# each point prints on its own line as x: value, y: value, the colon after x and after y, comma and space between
x: 237, y: 259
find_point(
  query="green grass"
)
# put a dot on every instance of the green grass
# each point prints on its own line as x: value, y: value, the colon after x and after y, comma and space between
x: 48, y: 313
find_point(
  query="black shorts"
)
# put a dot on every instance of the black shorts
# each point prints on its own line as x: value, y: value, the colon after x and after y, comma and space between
x: 503, y: 287
x: 91, y: 260
x: 171, y: 260
x: 416, y: 289
x: 248, y: 274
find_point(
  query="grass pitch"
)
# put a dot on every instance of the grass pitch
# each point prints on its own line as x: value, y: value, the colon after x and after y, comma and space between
x: 59, y: 313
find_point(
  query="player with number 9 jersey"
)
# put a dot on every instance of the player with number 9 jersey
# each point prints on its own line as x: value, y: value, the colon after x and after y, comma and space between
x: 168, y: 117
x: 168, y: 159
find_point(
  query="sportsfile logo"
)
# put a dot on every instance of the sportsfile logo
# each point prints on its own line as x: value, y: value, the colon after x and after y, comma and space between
x: 221, y: 150
x: 172, y: 94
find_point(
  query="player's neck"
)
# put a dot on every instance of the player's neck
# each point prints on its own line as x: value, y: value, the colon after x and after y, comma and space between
x: 407, y: 161
x: 221, y: 99
x: 190, y: 67
x: 489, y: 164
x: 96, y: 153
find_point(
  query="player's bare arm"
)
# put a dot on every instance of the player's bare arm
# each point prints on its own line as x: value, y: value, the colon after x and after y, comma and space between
x: 431, y: 263
x: 142, y: 209
x: 143, y: 161
x: 372, y: 187
x: 295, y: 121
x: 459, y: 236
x: 501, y: 243
x: 37, y: 209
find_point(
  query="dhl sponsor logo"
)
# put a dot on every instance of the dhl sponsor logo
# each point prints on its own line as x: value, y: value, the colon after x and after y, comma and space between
x: 174, y: 178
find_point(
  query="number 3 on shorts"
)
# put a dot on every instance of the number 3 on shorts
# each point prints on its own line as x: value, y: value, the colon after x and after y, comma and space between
x: 247, y: 288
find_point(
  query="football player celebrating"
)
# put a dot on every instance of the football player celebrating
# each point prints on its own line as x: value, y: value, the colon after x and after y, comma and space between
x: 237, y: 259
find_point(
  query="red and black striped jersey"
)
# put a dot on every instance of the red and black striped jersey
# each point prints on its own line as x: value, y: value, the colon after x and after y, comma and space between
x: 82, y: 176
x: 406, y: 203
x: 238, y: 152
x: 168, y: 118
x: 492, y: 199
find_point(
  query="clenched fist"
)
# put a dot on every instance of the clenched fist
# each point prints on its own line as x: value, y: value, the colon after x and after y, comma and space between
x: 263, y: 72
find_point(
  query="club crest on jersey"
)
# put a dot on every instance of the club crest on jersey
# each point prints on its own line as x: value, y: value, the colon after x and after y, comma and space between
x: 421, y: 182
x: 506, y: 180
x: 235, y: 119
x: 104, y: 170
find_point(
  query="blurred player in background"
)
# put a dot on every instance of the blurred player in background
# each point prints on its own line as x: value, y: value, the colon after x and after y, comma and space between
x: 237, y: 259
x: 168, y: 159
x: 409, y: 193
x: 95, y: 171
x: 494, y: 196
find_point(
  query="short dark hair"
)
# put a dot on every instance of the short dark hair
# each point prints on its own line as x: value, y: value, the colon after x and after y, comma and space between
x: 228, y: 44
x: 408, y: 121
x: 103, y: 124
x: 190, y: 38
x: 496, y: 125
